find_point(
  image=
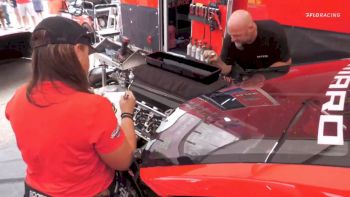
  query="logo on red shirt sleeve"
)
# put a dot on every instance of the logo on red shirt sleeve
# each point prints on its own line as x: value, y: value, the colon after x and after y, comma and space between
x: 116, y: 132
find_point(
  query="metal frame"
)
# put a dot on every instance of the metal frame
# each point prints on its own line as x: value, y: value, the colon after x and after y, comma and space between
x: 102, y: 6
x: 165, y: 25
x: 164, y: 30
x: 229, y: 12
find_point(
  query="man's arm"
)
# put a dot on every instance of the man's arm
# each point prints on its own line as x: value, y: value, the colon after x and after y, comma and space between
x: 216, y: 61
x: 280, y: 63
x: 282, y: 50
x: 224, y: 61
x: 225, y: 69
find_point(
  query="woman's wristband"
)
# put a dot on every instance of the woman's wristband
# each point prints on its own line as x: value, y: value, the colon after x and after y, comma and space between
x: 127, y: 115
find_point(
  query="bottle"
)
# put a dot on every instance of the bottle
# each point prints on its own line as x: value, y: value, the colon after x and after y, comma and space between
x: 189, y: 48
x: 192, y: 7
x: 194, y: 48
x: 198, y: 50
x: 201, y: 56
x: 206, y: 60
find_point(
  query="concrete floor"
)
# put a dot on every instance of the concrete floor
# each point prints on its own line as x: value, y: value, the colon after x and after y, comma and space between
x: 12, y: 168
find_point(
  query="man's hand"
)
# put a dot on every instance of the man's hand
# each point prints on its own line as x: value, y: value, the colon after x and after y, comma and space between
x: 253, y: 82
x: 228, y: 79
x: 215, y: 60
x: 211, y: 56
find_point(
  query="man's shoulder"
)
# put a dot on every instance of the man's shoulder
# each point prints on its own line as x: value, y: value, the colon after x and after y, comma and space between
x: 268, y: 23
x: 269, y: 27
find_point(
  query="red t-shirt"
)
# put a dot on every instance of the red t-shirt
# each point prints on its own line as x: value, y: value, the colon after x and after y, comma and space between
x: 23, y: 1
x: 60, y: 142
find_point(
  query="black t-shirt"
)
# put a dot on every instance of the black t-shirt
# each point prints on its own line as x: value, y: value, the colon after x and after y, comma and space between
x: 269, y: 47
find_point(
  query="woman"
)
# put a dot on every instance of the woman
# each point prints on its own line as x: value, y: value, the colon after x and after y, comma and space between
x: 69, y: 137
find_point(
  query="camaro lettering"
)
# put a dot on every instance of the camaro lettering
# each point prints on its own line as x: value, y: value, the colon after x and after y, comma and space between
x: 332, y: 105
x: 337, y: 96
x: 341, y: 82
x: 331, y: 119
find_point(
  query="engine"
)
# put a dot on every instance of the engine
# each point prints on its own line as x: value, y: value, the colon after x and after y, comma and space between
x: 148, y: 119
x: 115, y: 74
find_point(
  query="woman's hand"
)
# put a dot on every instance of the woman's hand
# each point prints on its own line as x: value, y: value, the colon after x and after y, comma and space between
x: 127, y: 102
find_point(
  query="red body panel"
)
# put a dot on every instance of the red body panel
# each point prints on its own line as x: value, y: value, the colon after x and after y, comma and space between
x: 273, y: 180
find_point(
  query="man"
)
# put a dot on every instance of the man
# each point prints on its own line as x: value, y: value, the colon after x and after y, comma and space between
x: 251, y: 45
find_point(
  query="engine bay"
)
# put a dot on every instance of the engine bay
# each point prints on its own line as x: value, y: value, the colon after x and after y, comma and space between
x: 158, y: 91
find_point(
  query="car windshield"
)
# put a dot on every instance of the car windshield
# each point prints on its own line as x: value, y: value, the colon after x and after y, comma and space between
x: 199, y: 142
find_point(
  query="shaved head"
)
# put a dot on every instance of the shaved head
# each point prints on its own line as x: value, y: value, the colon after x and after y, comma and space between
x: 241, y: 27
x: 240, y: 19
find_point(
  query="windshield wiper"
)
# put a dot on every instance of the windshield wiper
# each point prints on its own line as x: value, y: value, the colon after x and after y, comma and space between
x: 284, y: 135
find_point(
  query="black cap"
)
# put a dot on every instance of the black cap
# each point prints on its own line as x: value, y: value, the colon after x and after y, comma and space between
x: 60, y: 30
